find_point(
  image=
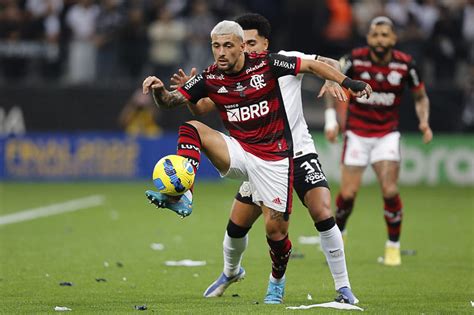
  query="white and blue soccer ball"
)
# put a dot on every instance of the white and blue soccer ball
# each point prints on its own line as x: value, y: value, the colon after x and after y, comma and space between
x: 173, y: 175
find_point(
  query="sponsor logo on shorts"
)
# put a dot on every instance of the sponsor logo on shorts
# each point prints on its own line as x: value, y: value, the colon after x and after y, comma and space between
x: 314, y: 178
x: 277, y: 201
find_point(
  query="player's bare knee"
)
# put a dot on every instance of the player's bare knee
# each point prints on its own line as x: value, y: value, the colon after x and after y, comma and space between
x: 389, y: 190
x: 348, y: 194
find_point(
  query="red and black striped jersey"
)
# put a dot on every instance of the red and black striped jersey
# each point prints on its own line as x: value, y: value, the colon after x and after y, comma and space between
x: 250, y: 102
x: 379, y: 114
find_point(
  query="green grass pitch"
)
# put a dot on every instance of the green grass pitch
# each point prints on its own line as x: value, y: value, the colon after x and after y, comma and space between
x: 36, y: 255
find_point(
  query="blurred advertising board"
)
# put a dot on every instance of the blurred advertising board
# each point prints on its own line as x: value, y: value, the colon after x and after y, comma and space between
x: 89, y: 156
x: 449, y: 159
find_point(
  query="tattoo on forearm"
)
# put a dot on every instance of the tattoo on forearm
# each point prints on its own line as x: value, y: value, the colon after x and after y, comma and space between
x: 170, y: 99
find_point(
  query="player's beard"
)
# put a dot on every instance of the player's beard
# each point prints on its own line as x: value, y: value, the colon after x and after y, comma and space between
x: 381, y: 53
x: 229, y: 68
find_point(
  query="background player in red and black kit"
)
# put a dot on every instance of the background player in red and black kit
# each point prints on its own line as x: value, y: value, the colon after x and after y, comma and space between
x: 259, y: 149
x: 371, y: 135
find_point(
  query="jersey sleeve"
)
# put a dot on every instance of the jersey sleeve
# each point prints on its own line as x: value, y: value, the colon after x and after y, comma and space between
x: 298, y: 54
x: 414, y: 79
x: 195, y: 88
x: 284, y: 65
x: 346, y: 65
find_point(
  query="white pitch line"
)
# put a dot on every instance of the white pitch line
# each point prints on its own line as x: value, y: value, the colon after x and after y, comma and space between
x: 57, y: 208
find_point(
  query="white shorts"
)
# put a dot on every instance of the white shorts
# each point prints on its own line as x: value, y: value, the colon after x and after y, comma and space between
x: 362, y: 151
x: 270, y: 181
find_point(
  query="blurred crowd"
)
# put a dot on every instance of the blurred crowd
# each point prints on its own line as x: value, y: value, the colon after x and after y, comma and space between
x: 118, y: 41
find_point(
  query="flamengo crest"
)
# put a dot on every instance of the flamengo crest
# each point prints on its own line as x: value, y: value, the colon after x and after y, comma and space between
x: 257, y: 81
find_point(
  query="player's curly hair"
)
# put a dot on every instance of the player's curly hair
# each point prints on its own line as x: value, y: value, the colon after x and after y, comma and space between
x: 255, y: 21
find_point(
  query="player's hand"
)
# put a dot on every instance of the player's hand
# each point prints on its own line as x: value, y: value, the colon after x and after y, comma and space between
x: 357, y: 88
x: 426, y: 131
x: 331, y: 133
x: 333, y: 89
x: 153, y: 83
x: 180, y: 78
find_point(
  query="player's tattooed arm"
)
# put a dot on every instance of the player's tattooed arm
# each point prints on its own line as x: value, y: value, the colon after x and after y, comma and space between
x: 332, y: 62
x: 162, y: 97
x: 167, y: 99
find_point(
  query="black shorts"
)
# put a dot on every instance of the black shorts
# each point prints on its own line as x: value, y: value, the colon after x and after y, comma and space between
x: 307, y: 174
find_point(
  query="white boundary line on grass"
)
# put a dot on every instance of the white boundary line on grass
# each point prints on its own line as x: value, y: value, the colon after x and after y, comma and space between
x: 56, y: 208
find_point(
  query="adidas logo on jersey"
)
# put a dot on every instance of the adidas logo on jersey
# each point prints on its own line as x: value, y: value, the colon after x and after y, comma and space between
x: 222, y: 90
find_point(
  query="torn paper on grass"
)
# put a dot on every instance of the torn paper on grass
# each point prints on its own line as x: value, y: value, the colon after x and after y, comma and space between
x: 185, y: 263
x: 309, y: 240
x: 62, y: 309
x: 157, y: 246
x: 337, y: 305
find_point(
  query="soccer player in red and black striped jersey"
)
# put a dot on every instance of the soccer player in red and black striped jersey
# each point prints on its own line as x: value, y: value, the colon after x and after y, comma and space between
x: 371, y: 135
x: 309, y: 180
x: 259, y: 149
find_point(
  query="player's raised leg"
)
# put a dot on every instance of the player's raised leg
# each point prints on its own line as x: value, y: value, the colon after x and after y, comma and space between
x: 387, y: 174
x: 194, y: 137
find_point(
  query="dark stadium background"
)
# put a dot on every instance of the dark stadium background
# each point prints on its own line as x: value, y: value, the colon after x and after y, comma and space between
x: 66, y: 71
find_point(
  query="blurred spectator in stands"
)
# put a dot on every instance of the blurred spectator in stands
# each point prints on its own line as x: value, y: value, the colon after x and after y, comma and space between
x: 45, y: 19
x: 133, y: 44
x: 44, y: 16
x: 338, y: 31
x: 109, y: 23
x: 468, y: 30
x: 411, y: 38
x: 199, y: 24
x: 397, y: 11
x: 468, y: 111
x: 81, y: 19
x: 444, y: 46
x: 426, y: 14
x: 139, y: 116
x: 363, y: 12
x: 166, y: 36
x: 12, y: 30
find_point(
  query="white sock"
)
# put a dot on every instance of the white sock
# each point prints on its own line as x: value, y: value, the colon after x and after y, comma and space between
x: 333, y: 248
x: 275, y: 280
x: 233, y: 251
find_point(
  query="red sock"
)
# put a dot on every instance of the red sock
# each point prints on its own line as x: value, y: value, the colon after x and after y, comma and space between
x: 393, y: 213
x: 189, y: 145
x: 280, y: 252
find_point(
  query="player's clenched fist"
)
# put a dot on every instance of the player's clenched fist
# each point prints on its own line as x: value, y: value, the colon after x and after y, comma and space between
x: 153, y: 83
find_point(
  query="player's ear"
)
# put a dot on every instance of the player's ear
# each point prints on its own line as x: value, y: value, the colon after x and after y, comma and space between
x: 266, y: 43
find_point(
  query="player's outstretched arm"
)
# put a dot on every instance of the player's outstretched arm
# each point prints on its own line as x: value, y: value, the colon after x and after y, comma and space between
x: 204, y: 105
x: 325, y: 71
x: 422, y: 107
x: 163, y: 98
x: 330, y: 87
